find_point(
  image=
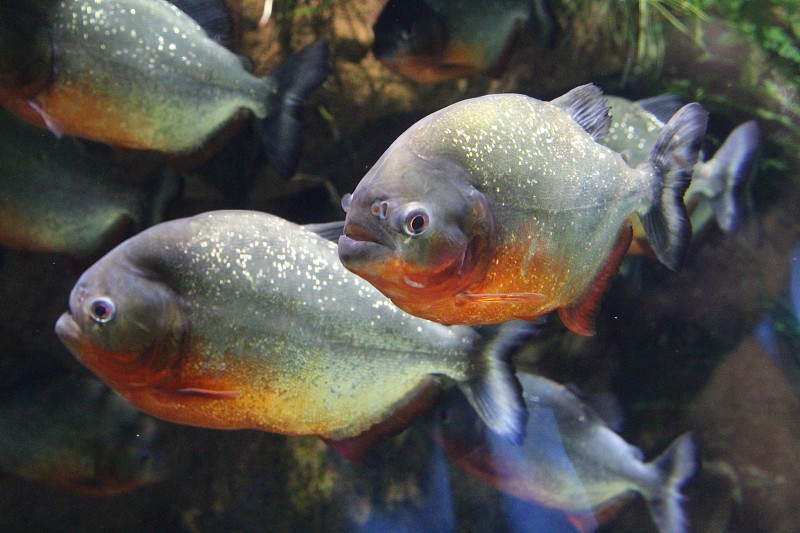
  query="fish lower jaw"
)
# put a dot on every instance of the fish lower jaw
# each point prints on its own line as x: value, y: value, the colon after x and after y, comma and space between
x: 353, y: 252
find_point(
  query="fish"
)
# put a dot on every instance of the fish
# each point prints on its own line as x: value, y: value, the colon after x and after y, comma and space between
x: 570, y: 459
x: 56, y: 196
x: 718, y: 181
x: 431, y: 41
x: 73, y: 433
x: 505, y: 207
x: 142, y: 74
x: 241, y: 319
x: 778, y: 331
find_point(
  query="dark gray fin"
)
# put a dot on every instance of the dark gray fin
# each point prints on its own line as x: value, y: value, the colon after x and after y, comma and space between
x: 164, y: 188
x: 542, y: 23
x: 731, y: 168
x: 662, y: 106
x: 672, y: 160
x: 587, y: 106
x: 281, y: 131
x: 214, y: 16
x: 327, y: 230
x: 493, y: 389
x: 675, y: 466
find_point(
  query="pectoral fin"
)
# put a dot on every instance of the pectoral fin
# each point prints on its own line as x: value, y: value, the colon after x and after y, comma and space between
x: 52, y: 123
x: 580, y: 317
x: 208, y: 393
x: 512, y: 297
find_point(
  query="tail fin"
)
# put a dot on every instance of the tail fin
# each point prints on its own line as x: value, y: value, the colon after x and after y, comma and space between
x: 281, y: 131
x: 493, y: 389
x: 676, y: 465
x: 672, y: 159
x: 722, y: 177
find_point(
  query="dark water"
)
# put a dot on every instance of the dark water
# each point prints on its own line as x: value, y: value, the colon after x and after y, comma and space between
x: 678, y: 351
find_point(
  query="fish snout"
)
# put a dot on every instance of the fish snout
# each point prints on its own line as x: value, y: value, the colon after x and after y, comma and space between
x: 69, y: 332
x: 359, y: 233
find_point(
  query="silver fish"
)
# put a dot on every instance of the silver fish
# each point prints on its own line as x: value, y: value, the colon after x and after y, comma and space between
x: 569, y: 460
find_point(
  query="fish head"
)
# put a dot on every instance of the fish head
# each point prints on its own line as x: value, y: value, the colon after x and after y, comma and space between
x: 124, y: 323
x: 408, y: 29
x: 415, y: 225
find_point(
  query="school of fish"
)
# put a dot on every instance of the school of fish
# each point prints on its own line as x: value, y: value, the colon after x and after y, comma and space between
x: 477, y: 220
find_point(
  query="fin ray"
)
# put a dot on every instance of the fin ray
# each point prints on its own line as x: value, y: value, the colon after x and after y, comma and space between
x: 587, y: 106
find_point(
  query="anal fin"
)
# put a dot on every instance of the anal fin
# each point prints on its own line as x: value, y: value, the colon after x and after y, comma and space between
x: 580, y: 318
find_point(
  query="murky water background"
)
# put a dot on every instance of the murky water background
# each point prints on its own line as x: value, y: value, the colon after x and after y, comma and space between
x: 677, y: 350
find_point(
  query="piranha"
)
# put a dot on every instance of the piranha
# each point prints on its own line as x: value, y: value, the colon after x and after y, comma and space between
x: 75, y: 434
x: 570, y: 459
x: 240, y: 319
x: 505, y: 206
x: 431, y: 41
x: 58, y: 197
x: 718, y: 181
x: 143, y: 74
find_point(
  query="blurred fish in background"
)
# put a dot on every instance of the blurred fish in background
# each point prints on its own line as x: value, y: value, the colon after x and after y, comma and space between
x: 143, y: 74
x: 76, y: 434
x: 431, y: 41
x: 58, y: 196
x: 779, y: 331
x: 718, y: 183
x: 570, y: 459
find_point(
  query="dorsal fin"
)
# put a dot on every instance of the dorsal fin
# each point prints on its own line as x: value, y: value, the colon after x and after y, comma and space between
x: 587, y: 106
x: 580, y: 317
x: 662, y: 106
x: 216, y: 17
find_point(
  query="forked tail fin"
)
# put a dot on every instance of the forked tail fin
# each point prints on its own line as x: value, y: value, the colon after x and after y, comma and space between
x: 672, y: 160
x: 281, y: 131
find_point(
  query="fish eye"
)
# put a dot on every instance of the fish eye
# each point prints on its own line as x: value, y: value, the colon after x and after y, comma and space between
x: 346, y: 199
x: 102, y: 310
x: 416, y: 222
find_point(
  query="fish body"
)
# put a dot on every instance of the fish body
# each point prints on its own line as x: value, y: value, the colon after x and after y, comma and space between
x: 238, y: 319
x: 74, y: 433
x: 431, y: 41
x: 570, y: 460
x: 143, y: 74
x: 717, y: 181
x: 57, y: 197
x: 504, y: 207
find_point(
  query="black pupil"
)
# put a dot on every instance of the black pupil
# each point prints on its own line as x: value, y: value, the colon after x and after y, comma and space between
x: 417, y: 223
x: 101, y: 310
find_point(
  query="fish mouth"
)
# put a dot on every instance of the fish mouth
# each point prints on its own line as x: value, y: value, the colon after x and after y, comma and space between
x: 70, y: 334
x: 359, y: 233
x: 359, y: 245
